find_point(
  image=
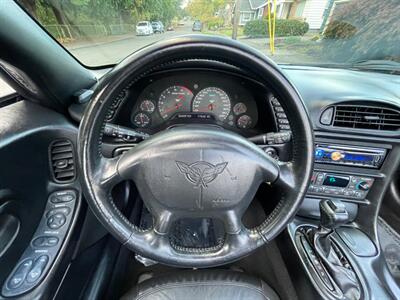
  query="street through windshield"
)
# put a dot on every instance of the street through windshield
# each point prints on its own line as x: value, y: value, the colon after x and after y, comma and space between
x: 300, y: 32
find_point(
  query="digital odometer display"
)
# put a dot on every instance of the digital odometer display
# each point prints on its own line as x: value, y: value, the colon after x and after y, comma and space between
x: 174, y: 99
x: 212, y: 100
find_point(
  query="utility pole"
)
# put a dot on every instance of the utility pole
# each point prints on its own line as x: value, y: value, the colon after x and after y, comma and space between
x: 236, y: 15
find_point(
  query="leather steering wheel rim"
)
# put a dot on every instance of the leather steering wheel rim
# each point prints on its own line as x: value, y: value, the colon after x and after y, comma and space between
x: 99, y: 174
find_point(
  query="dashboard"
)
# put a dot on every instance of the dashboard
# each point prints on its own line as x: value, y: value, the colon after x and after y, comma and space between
x: 167, y: 99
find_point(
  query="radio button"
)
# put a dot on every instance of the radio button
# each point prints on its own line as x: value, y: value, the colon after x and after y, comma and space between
x: 348, y: 193
x: 320, y: 178
x: 358, y: 194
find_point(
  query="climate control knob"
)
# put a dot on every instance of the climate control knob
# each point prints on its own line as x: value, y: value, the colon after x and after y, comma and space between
x: 363, y: 186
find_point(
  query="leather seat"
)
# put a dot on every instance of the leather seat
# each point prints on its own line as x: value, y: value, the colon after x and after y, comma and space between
x: 200, y: 285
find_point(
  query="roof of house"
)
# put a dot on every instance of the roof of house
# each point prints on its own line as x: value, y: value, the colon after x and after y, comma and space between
x: 249, y: 5
x: 257, y: 3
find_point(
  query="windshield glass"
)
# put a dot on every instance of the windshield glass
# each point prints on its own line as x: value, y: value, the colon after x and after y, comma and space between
x: 301, y: 32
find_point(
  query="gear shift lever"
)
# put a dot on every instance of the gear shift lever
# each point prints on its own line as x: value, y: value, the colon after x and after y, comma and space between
x: 334, y: 215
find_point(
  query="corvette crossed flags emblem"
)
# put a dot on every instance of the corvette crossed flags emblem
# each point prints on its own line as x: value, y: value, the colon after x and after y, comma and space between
x: 201, y: 173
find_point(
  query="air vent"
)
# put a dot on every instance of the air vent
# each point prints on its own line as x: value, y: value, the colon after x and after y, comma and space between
x: 62, y: 161
x: 366, y: 117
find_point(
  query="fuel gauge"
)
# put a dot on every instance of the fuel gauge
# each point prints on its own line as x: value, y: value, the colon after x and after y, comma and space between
x: 141, y: 120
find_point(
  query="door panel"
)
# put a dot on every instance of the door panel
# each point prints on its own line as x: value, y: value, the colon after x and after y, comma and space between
x: 26, y: 181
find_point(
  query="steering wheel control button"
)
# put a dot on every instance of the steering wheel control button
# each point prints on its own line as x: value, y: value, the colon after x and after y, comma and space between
x: 62, y: 210
x: 62, y: 196
x: 45, y: 241
x: 37, y: 269
x: 56, y: 221
x: 20, y: 274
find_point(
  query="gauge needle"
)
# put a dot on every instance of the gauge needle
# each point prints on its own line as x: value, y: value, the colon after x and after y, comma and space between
x: 211, y: 107
x: 175, y: 107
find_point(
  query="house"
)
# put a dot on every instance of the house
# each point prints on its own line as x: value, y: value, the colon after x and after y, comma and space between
x: 311, y: 11
x: 251, y: 10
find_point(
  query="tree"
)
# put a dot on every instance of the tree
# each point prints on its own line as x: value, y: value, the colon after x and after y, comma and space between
x: 204, y: 10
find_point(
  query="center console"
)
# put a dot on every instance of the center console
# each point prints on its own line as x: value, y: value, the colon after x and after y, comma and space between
x: 338, y: 253
x: 344, y: 172
x: 350, y: 185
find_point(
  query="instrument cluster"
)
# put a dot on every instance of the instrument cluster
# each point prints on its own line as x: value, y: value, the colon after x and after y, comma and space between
x: 202, y: 95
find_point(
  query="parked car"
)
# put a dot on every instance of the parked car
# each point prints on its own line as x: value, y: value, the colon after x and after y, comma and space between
x: 197, y: 25
x: 144, y: 28
x: 170, y: 28
x: 158, y: 27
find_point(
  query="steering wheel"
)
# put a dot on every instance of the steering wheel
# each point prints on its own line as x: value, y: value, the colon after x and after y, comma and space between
x: 194, y: 171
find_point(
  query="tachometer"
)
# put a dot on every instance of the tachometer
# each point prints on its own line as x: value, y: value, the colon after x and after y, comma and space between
x: 212, y: 100
x: 174, y: 99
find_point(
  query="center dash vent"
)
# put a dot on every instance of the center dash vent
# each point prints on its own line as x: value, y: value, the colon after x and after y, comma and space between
x: 363, y: 117
x: 62, y: 161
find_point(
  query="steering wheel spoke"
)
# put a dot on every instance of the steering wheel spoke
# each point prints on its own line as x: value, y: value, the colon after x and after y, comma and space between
x: 107, y: 175
x: 163, y: 221
x: 287, y: 178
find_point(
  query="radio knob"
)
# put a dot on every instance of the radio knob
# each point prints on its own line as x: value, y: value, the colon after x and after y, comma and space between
x: 363, y: 186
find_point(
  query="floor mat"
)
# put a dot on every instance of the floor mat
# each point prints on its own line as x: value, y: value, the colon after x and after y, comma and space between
x: 390, y: 244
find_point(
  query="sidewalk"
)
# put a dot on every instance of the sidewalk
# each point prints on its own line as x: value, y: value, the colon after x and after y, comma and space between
x: 96, y: 41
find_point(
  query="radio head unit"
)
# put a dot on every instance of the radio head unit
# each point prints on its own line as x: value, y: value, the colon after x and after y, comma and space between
x: 347, y: 155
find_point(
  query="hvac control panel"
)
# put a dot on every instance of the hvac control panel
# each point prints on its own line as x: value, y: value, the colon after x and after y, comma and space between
x: 347, y: 186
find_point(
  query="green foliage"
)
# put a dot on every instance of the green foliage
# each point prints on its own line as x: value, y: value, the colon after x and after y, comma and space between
x: 256, y: 28
x: 205, y: 10
x: 107, y: 13
x: 215, y: 23
x: 339, y: 30
x: 283, y: 27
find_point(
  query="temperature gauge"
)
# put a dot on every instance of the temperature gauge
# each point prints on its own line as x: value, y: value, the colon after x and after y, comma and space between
x: 244, y: 122
x: 147, y: 106
x: 141, y: 120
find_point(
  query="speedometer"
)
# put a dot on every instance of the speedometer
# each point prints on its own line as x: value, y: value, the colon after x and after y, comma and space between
x: 212, y: 100
x: 174, y: 99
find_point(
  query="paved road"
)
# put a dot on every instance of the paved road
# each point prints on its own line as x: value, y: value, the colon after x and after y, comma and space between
x: 115, y: 51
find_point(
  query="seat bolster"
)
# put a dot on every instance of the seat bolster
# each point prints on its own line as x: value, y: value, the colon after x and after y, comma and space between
x: 201, y: 285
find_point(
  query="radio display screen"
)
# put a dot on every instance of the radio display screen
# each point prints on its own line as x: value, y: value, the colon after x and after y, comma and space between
x: 359, y: 157
x: 334, y: 180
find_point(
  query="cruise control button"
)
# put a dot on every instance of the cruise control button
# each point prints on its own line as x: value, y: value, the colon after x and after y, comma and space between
x: 56, y: 221
x: 63, y: 210
x: 45, y: 241
x: 20, y: 274
x: 37, y: 269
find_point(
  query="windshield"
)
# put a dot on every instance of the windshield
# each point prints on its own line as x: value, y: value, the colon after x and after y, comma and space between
x: 300, y: 32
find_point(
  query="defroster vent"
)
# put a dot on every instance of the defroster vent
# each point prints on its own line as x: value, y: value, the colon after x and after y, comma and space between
x: 62, y: 161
